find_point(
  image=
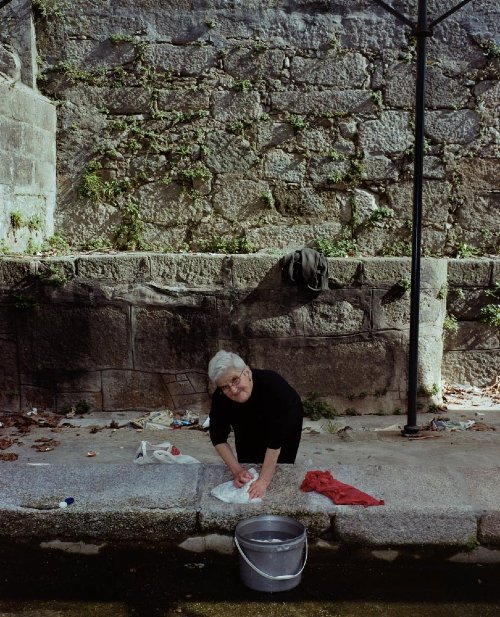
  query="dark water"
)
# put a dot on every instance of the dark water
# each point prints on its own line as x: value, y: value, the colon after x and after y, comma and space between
x: 166, y: 583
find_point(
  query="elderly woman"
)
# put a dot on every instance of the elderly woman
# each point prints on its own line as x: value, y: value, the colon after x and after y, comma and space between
x: 263, y: 410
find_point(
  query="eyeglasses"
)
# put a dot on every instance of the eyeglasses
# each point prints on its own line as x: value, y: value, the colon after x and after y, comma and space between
x: 233, y: 383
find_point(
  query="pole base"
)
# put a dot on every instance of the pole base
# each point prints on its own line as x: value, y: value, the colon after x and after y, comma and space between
x: 410, y: 430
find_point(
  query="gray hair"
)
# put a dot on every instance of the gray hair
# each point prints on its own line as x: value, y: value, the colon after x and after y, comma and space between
x: 222, y: 363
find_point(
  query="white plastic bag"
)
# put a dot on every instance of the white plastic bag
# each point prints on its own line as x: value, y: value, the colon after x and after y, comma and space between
x: 231, y: 494
x: 162, y: 453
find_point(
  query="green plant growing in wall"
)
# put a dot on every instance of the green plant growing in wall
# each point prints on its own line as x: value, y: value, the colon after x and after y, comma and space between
x: 227, y: 245
x: 404, y: 284
x: 56, y: 244
x: 122, y: 38
x: 336, y: 177
x: 53, y: 275
x: 4, y: 249
x: 491, y: 50
x: 490, y: 314
x: 299, y: 123
x: 316, y: 409
x: 376, y: 97
x: 450, y: 324
x: 50, y: 8
x: 268, y: 198
x: 346, y: 246
x: 465, y: 251
x: 335, y: 155
x: 16, y: 220
x: 35, y: 223
x: 198, y: 172
x: 243, y: 85
x: 128, y: 236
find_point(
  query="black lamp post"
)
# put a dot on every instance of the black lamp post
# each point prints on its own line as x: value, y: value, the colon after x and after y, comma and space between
x: 421, y: 30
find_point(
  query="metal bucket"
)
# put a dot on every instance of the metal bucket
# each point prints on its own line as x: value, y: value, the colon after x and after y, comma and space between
x: 272, y: 552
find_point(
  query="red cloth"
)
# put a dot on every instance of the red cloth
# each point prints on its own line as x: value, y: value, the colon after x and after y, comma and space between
x: 341, y: 494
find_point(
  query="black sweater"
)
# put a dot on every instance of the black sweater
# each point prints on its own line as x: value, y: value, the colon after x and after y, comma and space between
x: 271, y: 418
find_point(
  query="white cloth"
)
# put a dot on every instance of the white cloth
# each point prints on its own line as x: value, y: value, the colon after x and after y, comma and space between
x: 231, y: 494
x: 162, y: 453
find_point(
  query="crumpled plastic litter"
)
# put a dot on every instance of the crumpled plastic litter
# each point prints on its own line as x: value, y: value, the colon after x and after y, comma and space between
x: 231, y: 494
x: 167, y: 419
x: 450, y: 425
x: 164, y: 452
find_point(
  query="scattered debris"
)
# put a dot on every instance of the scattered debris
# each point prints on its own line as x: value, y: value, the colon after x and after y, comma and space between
x: 445, y: 424
x: 45, y: 444
x: 309, y: 430
x: 67, y: 502
x: 160, y: 420
x: 6, y: 442
x: 8, y: 456
x: 467, y: 395
x: 91, y: 453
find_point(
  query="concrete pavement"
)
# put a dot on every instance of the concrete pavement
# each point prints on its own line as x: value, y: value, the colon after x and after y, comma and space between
x: 441, y: 492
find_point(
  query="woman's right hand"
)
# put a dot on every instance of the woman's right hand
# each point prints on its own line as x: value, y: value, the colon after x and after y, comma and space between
x: 241, y: 477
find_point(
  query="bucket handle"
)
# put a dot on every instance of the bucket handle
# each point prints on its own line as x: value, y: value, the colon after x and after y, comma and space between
x: 280, y: 577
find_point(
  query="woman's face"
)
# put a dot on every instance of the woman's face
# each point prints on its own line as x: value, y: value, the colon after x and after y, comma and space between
x: 237, y: 385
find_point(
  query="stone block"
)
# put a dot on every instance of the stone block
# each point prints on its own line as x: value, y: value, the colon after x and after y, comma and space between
x: 56, y: 339
x: 379, y: 168
x: 442, y: 91
x: 479, y: 213
x: 121, y: 268
x: 253, y: 64
x: 388, y: 135
x: 368, y: 30
x: 262, y: 272
x: 336, y: 313
x: 274, y: 134
x: 374, y: 359
x: 90, y: 54
x: 190, y: 270
x: 9, y: 377
x: 285, y: 499
x: 456, y: 127
x: 344, y: 272
x: 169, y: 100
x: 182, y: 336
x: 24, y: 104
x: 238, y: 199
x: 180, y: 387
x: 266, y: 314
x: 66, y: 400
x: 81, y: 381
x: 391, y: 309
x: 481, y: 174
x: 15, y: 271
x: 233, y: 106
x: 305, y: 201
x: 36, y: 396
x: 198, y: 381
x: 489, y: 529
x: 322, y: 170
x: 188, y: 60
x: 385, y: 272
x: 229, y: 153
x: 388, y: 525
x: 198, y: 401
x: 325, y: 102
x: 435, y: 201
x: 284, y: 166
x: 466, y: 303
x: 347, y: 70
x: 469, y: 272
x: 134, y: 390
x: 472, y: 336
x: 478, y: 368
x: 291, y: 237
x: 152, y: 502
x: 10, y: 64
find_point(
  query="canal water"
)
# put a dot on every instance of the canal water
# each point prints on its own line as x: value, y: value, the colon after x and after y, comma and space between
x: 164, y: 583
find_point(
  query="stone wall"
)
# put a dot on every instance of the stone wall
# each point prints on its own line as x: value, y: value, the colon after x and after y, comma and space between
x: 27, y: 167
x: 136, y: 331
x: 228, y: 125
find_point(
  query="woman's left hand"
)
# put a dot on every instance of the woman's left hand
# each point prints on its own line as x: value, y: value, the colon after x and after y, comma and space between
x: 258, y: 489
